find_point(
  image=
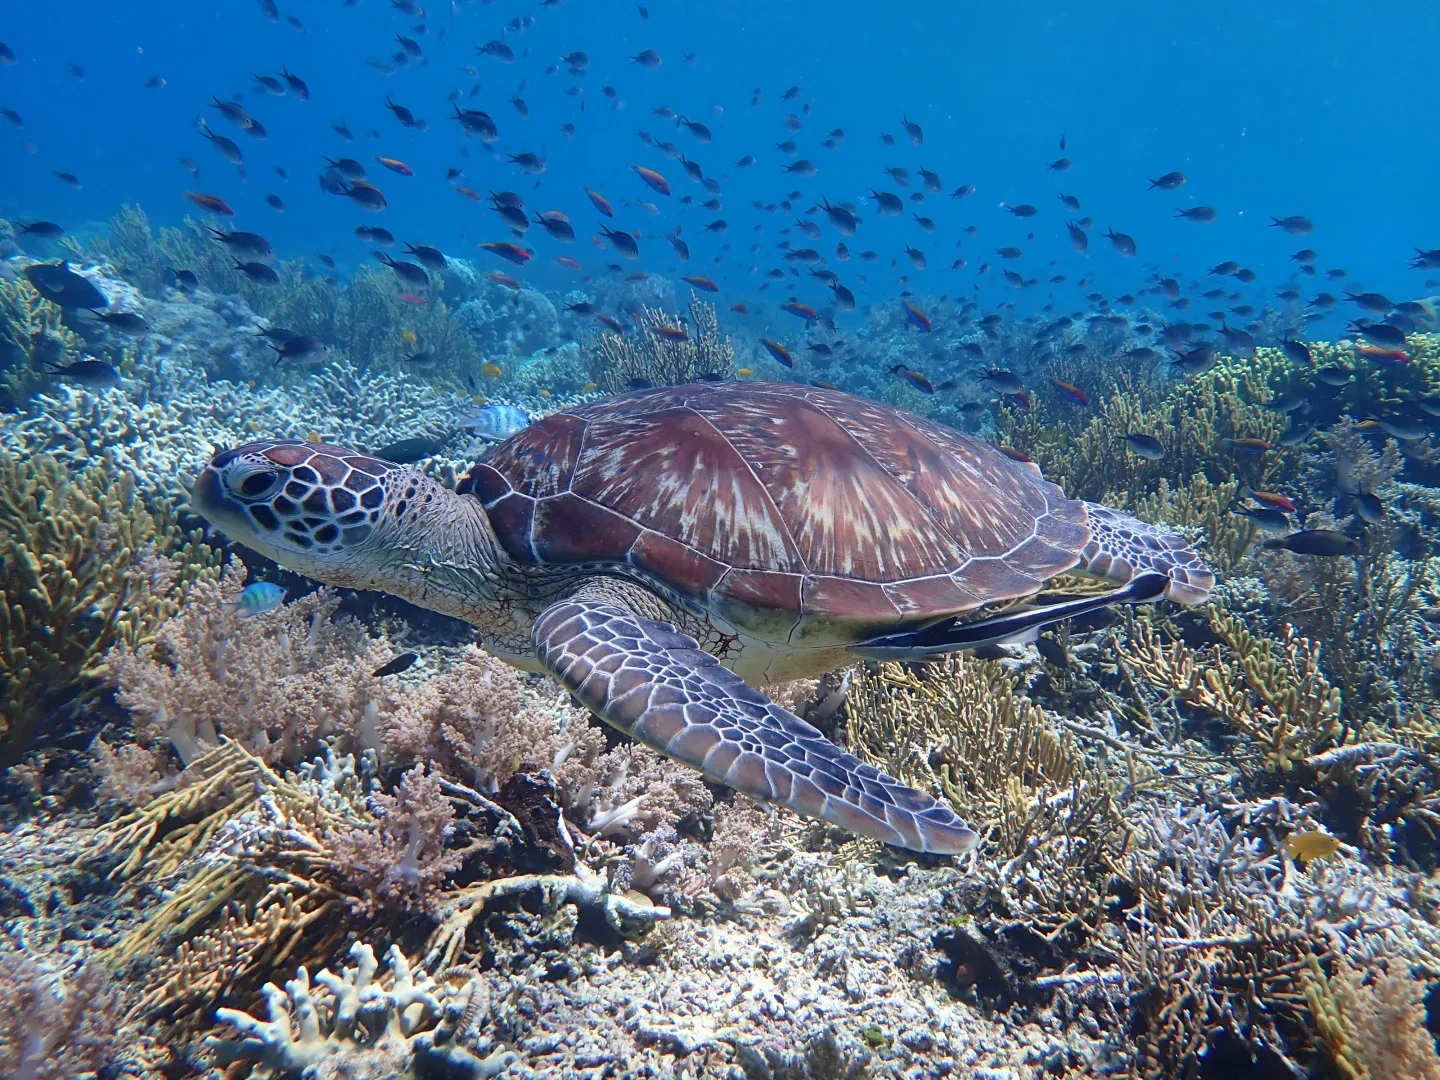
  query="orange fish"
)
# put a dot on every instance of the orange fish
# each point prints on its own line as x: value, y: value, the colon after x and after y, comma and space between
x: 778, y: 351
x: 1272, y: 499
x: 704, y: 284
x: 569, y: 261
x: 471, y: 194
x: 506, y: 280
x: 653, y: 178
x: 916, y: 379
x: 612, y: 322
x: 1014, y: 455
x: 414, y: 299
x: 213, y: 203
x: 1070, y: 390
x: 1390, y: 356
x: 916, y: 316
x: 601, y: 203
x: 395, y: 165
x: 804, y: 311
x: 493, y: 370
x: 671, y: 333
x: 744, y: 372
x: 514, y: 252
x: 1249, y: 446
x: 740, y: 309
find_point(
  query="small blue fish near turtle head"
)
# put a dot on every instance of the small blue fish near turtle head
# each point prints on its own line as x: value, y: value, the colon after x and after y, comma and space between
x: 497, y: 422
x: 259, y: 598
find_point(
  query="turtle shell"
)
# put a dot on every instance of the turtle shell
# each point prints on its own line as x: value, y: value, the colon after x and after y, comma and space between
x: 794, y: 513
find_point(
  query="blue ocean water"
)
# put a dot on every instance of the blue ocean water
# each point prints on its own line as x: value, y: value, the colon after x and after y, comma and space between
x: 1270, y: 110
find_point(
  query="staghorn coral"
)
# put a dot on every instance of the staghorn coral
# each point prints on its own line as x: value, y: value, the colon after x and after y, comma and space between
x: 660, y: 361
x: 87, y: 567
x: 1271, y: 693
x: 1046, y: 815
x: 276, y: 683
x: 33, y: 337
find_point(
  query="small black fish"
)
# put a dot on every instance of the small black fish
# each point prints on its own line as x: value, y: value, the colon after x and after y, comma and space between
x: 92, y: 373
x: 1324, y: 542
x: 125, y: 321
x: 403, y: 662
x: 46, y: 230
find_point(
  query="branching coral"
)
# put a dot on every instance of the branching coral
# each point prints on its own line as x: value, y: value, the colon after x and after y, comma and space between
x: 33, y: 337
x: 1271, y: 693
x: 85, y: 566
x: 480, y: 727
x: 400, y: 857
x: 403, y: 1020
x: 1372, y: 1027
x: 276, y: 682
x: 1047, y: 816
x: 653, y: 357
x: 56, y: 1026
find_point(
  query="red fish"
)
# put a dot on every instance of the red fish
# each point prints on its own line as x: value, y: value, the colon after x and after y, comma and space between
x: 653, y: 178
x: 612, y: 322
x: 601, y: 203
x: 804, y: 311
x: 568, y: 261
x: 1272, y: 499
x: 506, y: 280
x: 395, y: 165
x: 213, y: 203
x: 414, y: 299
x: 778, y: 351
x: 514, y: 252
x: 471, y: 194
x: 916, y: 316
x: 1389, y: 356
x: 671, y: 333
x: 1020, y: 399
x: 704, y: 284
x: 1014, y: 455
x: 1071, y: 391
x: 1250, y: 446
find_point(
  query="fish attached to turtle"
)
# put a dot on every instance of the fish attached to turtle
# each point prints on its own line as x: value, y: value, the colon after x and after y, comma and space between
x: 662, y: 553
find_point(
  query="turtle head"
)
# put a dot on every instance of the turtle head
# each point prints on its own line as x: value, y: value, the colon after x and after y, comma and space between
x: 346, y: 518
x: 309, y: 506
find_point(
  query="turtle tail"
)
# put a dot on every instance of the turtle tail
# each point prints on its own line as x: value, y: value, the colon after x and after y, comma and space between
x: 1123, y: 547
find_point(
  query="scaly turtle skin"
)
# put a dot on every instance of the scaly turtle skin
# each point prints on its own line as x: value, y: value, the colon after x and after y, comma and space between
x: 659, y: 550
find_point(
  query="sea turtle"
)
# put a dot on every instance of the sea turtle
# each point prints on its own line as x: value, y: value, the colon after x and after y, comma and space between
x: 660, y: 550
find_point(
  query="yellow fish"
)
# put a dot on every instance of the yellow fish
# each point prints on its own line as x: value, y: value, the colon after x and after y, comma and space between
x: 543, y: 392
x: 493, y: 370
x: 745, y: 372
x: 409, y: 337
x: 312, y: 437
x: 1308, y: 846
x: 589, y: 388
x: 479, y: 399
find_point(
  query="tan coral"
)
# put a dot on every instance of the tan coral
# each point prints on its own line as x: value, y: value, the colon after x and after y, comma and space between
x: 87, y: 567
x: 661, y: 361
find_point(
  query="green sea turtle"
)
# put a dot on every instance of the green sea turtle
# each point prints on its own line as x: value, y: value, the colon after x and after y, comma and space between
x: 659, y: 551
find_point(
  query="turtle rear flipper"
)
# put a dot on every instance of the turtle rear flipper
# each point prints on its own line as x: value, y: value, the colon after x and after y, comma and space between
x: 657, y: 685
x: 1016, y: 628
x: 1123, y: 547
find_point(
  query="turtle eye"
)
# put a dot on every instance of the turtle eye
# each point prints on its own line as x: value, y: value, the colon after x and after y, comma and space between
x: 251, y: 482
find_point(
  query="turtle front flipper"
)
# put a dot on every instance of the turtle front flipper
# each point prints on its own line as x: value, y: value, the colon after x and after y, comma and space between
x: 654, y: 683
x: 1122, y: 548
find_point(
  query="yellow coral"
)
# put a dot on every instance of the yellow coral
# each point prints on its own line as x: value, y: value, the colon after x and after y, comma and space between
x: 86, y: 566
x: 660, y: 361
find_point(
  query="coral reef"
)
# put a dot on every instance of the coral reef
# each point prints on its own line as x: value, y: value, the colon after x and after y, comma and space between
x: 665, y: 353
x: 88, y: 566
